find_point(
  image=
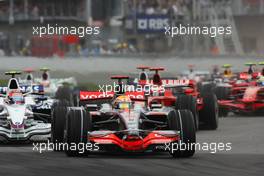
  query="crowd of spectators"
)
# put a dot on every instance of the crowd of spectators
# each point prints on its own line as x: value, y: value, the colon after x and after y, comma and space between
x: 4, y: 9
x: 37, y: 9
x: 175, y: 7
x: 183, y: 7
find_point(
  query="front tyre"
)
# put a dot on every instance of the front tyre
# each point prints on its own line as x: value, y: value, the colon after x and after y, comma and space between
x: 78, y: 124
x: 190, y: 103
x: 182, y: 121
x: 209, y: 114
x: 65, y: 93
x: 222, y: 93
x: 59, y: 112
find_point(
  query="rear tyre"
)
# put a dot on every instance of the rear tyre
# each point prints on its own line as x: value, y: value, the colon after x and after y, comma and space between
x: 76, y: 99
x: 222, y: 93
x: 182, y: 120
x: 65, y: 93
x: 199, y: 86
x: 209, y: 114
x: 207, y: 88
x: 78, y: 124
x: 59, y: 112
x: 190, y: 103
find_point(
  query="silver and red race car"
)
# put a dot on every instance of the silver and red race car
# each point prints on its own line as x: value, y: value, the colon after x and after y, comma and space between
x: 125, y: 121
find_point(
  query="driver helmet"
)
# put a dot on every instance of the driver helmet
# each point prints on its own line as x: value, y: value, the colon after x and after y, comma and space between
x: 250, y: 69
x: 227, y: 73
x: 16, y: 98
x: 122, y: 102
x: 45, y: 76
x: 29, y: 77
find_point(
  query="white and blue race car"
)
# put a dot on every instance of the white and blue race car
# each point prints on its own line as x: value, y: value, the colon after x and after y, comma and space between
x: 19, y: 118
x: 50, y: 85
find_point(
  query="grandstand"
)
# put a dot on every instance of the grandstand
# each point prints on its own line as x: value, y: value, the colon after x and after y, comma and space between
x: 123, y: 30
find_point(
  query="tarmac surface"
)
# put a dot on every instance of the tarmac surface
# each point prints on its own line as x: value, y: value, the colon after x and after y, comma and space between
x: 246, y: 157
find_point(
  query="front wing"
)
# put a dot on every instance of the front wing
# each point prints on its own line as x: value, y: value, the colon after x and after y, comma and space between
x: 249, y: 106
x: 21, y: 134
x: 134, y: 144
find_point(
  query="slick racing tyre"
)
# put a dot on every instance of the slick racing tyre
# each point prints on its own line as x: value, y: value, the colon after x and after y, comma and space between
x: 65, y: 93
x: 207, y: 88
x: 76, y: 99
x: 78, y: 124
x: 190, y: 103
x: 59, y: 111
x: 209, y: 114
x: 222, y: 93
x: 182, y: 120
x: 199, y: 86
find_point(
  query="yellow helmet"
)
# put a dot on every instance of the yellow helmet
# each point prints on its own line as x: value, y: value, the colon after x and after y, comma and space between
x: 122, y: 102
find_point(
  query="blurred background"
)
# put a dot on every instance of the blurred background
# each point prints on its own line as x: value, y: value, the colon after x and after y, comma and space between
x: 121, y: 33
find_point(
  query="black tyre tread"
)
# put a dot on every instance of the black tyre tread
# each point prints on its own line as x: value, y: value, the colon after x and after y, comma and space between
x: 207, y: 88
x: 190, y: 103
x: 182, y: 120
x: 59, y: 111
x: 222, y: 93
x: 76, y: 99
x: 65, y: 93
x: 209, y: 114
x: 199, y: 86
x: 77, y: 119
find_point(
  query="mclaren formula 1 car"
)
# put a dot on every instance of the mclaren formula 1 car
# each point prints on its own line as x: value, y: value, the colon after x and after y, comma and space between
x: 123, y: 121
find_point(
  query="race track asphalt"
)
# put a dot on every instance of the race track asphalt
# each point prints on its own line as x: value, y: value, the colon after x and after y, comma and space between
x: 246, y: 134
x: 246, y: 158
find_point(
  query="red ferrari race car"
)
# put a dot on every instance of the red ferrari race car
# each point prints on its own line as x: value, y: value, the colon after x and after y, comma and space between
x: 235, y: 88
x: 262, y: 69
x: 250, y: 100
x: 183, y: 94
x: 123, y: 120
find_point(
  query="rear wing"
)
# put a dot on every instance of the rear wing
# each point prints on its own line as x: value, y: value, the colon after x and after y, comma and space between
x: 172, y: 82
x: 136, y: 96
x: 244, y: 76
x: 97, y: 95
x: 35, y: 89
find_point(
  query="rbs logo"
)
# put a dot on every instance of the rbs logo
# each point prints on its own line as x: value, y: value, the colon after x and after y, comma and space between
x: 152, y: 24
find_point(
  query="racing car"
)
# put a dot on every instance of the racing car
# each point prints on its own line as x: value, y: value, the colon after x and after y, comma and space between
x: 18, y: 121
x: 197, y: 75
x: 29, y: 78
x: 184, y: 94
x: 125, y: 121
x: 262, y: 70
x: 43, y: 100
x: 234, y: 89
x: 51, y: 85
x: 250, y: 101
